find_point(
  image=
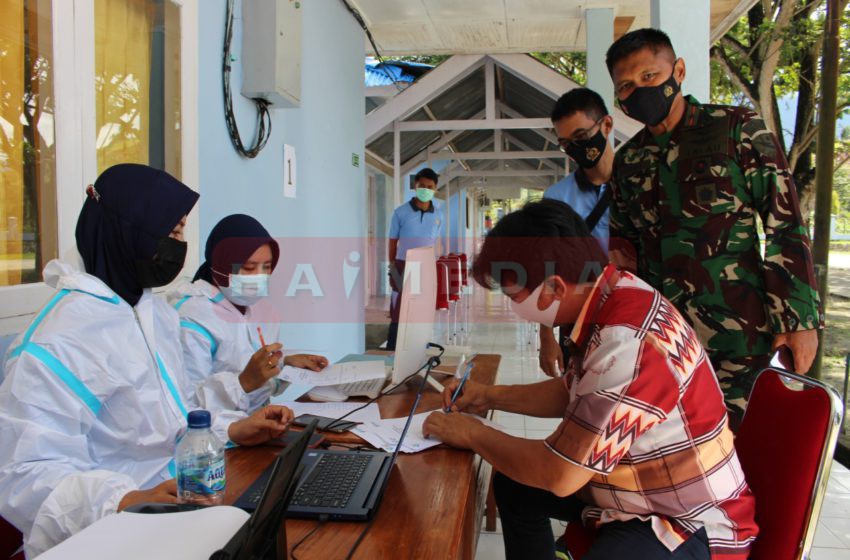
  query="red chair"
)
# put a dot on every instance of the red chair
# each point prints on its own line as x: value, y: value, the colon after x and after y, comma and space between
x: 785, y: 445
x: 442, y: 285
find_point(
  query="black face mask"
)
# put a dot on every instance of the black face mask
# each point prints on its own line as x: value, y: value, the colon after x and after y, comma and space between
x: 165, y: 265
x: 651, y: 104
x: 587, y: 153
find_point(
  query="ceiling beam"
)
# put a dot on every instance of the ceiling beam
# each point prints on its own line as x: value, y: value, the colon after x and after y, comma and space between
x: 502, y: 173
x: 378, y: 162
x: 731, y: 19
x: 422, y: 155
x: 524, y: 146
x: 498, y: 155
x: 449, y: 145
x: 553, y: 84
x: 480, y: 124
x: 516, y: 115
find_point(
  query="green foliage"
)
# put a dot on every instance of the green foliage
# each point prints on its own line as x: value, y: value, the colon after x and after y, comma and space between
x: 573, y: 65
x: 432, y: 59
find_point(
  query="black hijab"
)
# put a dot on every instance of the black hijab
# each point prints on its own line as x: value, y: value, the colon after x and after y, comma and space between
x: 130, y: 208
x: 231, y: 242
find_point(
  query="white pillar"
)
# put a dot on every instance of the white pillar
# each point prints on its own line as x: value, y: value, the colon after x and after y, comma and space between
x: 689, y: 26
x: 599, y: 25
x: 397, y: 193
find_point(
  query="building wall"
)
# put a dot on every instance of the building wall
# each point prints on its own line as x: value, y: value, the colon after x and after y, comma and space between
x: 325, y: 131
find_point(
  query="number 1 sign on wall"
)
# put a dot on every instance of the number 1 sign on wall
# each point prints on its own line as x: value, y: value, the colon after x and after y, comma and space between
x: 288, y: 171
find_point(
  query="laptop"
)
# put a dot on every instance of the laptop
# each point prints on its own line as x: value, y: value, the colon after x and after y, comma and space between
x: 260, y: 536
x: 342, y: 485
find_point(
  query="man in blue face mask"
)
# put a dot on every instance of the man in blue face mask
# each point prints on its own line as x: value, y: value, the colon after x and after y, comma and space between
x: 415, y: 223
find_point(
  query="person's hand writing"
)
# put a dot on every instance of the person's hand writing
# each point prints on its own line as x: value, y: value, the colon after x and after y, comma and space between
x: 263, y: 365
x: 474, y: 397
x: 456, y: 430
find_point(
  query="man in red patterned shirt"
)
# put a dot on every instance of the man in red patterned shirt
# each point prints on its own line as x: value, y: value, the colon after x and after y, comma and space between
x: 644, y: 449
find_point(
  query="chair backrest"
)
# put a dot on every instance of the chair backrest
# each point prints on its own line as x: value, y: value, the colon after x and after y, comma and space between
x: 785, y: 445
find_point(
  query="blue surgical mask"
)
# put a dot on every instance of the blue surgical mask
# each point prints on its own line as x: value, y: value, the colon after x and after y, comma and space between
x: 424, y: 195
x: 246, y: 289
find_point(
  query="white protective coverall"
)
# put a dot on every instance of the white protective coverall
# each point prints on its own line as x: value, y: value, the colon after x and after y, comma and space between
x: 94, y: 399
x: 218, y: 337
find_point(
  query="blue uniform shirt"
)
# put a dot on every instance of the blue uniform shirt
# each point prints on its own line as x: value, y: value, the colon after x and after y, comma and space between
x: 414, y: 227
x: 583, y: 200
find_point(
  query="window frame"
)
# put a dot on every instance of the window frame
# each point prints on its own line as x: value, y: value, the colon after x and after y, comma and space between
x: 75, y: 133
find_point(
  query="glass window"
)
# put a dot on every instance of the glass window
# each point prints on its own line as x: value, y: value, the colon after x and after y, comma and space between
x: 28, y: 224
x: 137, y: 83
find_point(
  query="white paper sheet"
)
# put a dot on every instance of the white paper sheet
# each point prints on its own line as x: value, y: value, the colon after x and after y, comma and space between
x: 370, y: 413
x: 187, y: 535
x: 384, y: 434
x: 335, y: 374
x: 291, y: 393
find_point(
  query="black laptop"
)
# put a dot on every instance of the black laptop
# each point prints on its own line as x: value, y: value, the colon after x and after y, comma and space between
x: 261, y: 537
x: 338, y: 485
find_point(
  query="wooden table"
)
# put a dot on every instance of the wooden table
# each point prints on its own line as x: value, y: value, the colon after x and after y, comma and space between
x: 432, y: 506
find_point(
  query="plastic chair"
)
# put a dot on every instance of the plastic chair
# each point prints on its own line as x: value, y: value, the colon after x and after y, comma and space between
x: 785, y: 445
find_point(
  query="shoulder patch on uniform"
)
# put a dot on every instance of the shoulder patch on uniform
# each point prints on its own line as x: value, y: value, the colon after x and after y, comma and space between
x: 762, y: 139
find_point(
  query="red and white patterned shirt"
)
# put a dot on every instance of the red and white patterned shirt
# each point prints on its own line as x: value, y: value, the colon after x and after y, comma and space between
x: 646, y: 414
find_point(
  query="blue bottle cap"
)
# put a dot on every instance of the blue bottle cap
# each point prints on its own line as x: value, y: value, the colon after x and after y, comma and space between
x: 199, y: 419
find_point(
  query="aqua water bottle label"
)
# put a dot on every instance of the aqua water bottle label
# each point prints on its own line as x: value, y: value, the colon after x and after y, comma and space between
x: 203, y: 481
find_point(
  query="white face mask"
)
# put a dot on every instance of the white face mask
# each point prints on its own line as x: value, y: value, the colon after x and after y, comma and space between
x: 246, y: 289
x: 527, y: 308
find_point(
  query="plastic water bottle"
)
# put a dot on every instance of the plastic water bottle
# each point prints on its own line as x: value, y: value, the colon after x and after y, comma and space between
x: 200, y: 463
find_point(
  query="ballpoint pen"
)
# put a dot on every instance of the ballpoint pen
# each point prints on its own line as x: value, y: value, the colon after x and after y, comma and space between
x: 460, y: 386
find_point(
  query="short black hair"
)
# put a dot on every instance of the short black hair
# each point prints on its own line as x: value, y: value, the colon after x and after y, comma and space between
x: 426, y: 173
x: 633, y: 41
x: 542, y: 239
x: 579, y: 99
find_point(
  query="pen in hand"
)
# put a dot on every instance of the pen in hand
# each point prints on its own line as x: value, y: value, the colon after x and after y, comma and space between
x: 459, y: 389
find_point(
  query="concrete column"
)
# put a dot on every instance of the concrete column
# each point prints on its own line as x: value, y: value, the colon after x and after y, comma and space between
x: 599, y: 24
x: 689, y: 26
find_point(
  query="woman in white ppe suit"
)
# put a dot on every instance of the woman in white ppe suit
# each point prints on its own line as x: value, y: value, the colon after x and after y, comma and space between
x: 223, y: 307
x: 95, y: 394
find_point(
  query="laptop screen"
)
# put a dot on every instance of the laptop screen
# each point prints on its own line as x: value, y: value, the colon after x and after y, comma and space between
x: 259, y: 533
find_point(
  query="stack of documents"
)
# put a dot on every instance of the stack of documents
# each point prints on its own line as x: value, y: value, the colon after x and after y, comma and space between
x: 384, y: 434
x: 337, y: 374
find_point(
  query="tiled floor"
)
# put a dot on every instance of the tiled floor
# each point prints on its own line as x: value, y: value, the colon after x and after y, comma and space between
x: 493, y: 332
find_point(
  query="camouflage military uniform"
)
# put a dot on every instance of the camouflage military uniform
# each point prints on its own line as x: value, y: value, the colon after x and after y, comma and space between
x: 688, y: 204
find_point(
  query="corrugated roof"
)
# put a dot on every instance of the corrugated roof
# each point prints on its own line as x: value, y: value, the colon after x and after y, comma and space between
x: 464, y: 100
x: 390, y: 72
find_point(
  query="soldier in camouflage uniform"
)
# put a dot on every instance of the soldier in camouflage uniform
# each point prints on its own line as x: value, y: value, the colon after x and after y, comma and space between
x: 688, y: 191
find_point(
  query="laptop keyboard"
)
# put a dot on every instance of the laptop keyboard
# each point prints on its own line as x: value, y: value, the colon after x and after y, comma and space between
x: 332, y: 481
x: 255, y: 492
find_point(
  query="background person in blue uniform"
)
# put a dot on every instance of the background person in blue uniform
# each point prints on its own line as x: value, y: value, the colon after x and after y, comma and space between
x: 583, y: 125
x: 416, y: 223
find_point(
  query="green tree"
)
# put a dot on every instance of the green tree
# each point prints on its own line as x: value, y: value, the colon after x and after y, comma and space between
x: 775, y: 51
x: 573, y: 65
